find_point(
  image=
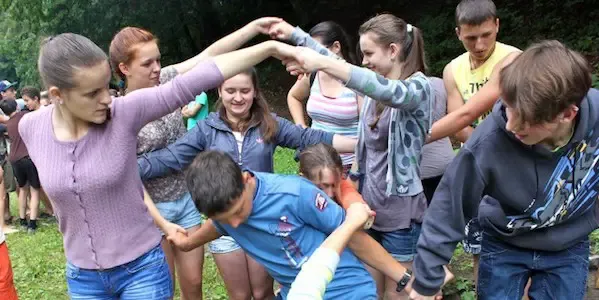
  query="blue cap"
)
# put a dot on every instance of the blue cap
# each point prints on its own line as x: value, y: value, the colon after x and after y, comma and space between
x: 5, y: 85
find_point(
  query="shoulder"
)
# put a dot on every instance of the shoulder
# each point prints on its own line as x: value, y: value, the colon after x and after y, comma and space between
x: 280, y: 184
x: 34, y: 119
x: 459, y: 62
x: 507, y: 48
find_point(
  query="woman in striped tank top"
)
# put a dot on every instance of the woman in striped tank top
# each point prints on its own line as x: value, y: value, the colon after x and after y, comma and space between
x: 331, y: 106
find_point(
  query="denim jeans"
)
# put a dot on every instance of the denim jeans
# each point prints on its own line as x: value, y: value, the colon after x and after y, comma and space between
x: 146, y: 278
x: 504, y: 271
x: 401, y: 244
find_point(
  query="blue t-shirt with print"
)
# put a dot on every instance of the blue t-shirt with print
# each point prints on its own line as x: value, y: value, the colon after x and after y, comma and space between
x: 290, y: 218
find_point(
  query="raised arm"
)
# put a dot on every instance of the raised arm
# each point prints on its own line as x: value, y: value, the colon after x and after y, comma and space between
x: 296, y: 97
x: 285, y: 32
x: 406, y: 94
x: 144, y: 105
x: 230, y: 42
x: 476, y: 106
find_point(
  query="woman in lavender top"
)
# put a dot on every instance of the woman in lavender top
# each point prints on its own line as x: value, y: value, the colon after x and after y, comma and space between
x: 84, y: 147
x: 135, y: 58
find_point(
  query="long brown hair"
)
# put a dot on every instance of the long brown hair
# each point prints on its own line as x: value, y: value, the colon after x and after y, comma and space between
x: 389, y: 29
x: 259, y: 113
x: 315, y: 158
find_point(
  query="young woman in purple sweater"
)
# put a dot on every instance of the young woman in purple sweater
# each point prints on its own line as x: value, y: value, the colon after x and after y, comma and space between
x: 84, y: 147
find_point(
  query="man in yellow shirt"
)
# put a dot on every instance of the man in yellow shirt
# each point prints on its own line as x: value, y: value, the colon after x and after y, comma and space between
x: 477, y: 28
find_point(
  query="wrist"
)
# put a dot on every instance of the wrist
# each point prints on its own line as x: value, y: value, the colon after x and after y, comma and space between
x: 271, y: 47
x: 353, y: 224
x: 403, y: 282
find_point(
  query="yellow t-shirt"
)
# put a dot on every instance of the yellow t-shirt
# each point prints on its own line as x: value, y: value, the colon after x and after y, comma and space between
x: 469, y: 81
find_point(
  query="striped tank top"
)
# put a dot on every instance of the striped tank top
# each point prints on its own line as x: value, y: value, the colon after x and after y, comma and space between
x: 337, y: 115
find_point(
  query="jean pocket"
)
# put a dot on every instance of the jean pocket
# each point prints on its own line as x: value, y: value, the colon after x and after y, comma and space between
x: 491, y: 246
x: 581, y: 251
x: 72, y: 272
x: 152, y: 259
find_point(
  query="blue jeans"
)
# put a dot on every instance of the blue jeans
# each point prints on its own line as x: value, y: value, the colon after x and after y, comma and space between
x: 145, y: 278
x: 505, y: 269
x: 401, y: 244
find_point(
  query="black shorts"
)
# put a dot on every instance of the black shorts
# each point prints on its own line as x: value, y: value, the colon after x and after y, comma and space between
x: 430, y: 186
x: 26, y: 173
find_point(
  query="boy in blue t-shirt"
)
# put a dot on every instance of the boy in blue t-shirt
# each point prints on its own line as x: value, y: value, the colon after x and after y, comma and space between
x: 280, y: 221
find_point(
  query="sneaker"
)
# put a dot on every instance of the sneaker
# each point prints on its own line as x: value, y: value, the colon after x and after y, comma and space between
x: 31, y: 230
x: 23, y: 223
x: 8, y: 220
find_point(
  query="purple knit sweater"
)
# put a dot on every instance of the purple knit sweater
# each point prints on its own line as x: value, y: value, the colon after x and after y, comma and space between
x: 94, y: 183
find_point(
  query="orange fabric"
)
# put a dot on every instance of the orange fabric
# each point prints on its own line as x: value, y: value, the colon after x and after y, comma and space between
x: 7, y: 286
x: 349, y: 194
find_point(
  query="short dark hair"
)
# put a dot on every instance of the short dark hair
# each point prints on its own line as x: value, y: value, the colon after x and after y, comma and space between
x: 214, y: 181
x: 31, y: 92
x: 545, y: 80
x: 8, y: 106
x: 475, y: 12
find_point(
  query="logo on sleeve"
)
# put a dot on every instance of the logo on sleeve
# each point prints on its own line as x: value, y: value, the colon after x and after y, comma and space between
x: 320, y: 202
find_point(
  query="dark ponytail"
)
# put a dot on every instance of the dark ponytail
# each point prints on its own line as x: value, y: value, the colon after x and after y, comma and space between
x: 329, y: 32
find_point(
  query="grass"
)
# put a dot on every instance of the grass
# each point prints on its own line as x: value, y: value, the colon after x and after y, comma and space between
x: 38, y: 260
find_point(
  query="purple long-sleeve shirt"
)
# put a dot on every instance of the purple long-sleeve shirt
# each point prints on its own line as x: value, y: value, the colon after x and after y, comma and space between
x: 94, y: 182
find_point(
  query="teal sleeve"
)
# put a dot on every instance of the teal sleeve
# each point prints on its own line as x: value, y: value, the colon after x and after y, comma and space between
x: 202, y: 98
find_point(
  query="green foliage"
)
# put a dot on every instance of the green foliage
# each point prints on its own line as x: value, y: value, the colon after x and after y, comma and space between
x: 596, y: 81
x: 186, y: 27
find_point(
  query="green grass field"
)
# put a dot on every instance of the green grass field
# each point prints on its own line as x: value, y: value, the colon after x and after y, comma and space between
x: 38, y: 260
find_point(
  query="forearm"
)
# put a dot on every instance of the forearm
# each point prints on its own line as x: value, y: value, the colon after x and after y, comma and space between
x: 153, y: 210
x: 338, y: 240
x: 205, y: 234
x: 301, y: 38
x: 453, y: 124
x: 196, y: 108
x: 373, y: 254
x: 296, y: 108
x: 227, y: 44
x: 344, y: 144
x: 232, y: 63
x: 231, y: 42
x: 464, y: 134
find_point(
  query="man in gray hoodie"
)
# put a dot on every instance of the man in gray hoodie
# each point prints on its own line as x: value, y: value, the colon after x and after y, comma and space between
x: 530, y: 173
